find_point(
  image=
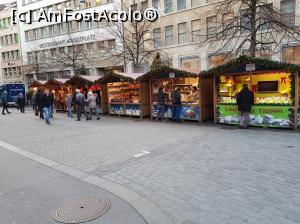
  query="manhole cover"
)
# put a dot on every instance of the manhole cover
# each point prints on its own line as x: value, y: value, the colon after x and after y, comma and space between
x: 81, y: 210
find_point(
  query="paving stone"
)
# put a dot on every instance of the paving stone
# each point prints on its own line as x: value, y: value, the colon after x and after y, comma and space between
x: 206, y: 173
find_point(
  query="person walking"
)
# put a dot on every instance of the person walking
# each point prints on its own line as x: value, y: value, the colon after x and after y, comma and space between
x: 21, y: 103
x: 176, y: 101
x: 245, y: 100
x: 34, y: 105
x: 98, y: 103
x: 92, y: 105
x: 52, y: 97
x: 80, y: 105
x: 4, y: 98
x: 68, y: 102
x: 46, y: 103
x: 39, y: 103
x: 161, y: 104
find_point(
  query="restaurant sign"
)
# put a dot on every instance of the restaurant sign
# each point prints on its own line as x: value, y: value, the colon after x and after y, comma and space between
x: 68, y: 41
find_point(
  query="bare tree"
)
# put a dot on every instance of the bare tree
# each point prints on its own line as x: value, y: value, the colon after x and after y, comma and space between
x: 253, y: 25
x: 134, y: 42
x: 35, y: 66
x: 72, y: 56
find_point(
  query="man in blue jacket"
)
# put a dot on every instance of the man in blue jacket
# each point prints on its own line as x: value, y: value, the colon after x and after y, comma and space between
x: 4, y: 98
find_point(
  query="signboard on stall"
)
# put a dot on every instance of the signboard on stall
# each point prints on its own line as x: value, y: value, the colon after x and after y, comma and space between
x: 171, y: 75
x: 187, y: 112
x: 250, y: 67
x: 261, y: 115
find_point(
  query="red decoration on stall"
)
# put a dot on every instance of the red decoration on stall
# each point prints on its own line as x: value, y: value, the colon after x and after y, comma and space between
x: 254, y: 88
x: 95, y: 88
x: 283, y: 80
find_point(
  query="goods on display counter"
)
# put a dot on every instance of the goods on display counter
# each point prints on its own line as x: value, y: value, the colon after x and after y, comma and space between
x: 273, y: 102
x: 273, y: 86
x: 124, y: 96
x: 197, y: 103
x: 189, y: 91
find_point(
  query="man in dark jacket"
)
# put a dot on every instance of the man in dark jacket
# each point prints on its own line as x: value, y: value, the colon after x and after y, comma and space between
x: 176, y: 101
x: 161, y: 104
x: 4, y: 98
x: 21, y: 103
x: 46, y: 103
x: 39, y: 96
x: 52, y: 97
x: 80, y: 105
x: 245, y: 99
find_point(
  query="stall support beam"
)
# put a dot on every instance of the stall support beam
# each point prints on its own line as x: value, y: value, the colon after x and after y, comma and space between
x: 215, y: 98
x: 296, y: 99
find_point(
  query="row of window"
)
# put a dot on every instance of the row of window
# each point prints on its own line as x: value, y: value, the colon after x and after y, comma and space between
x: 9, y: 39
x: 11, y: 55
x: 182, y: 34
x: 14, y: 71
x: 5, y: 22
x: 169, y: 5
x: 212, y: 26
x: 81, y: 49
x: 62, y: 28
x: 74, y: 5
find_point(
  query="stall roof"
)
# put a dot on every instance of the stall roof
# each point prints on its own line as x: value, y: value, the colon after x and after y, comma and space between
x: 56, y: 81
x: 115, y: 76
x: 36, y: 83
x: 166, y: 69
x: 82, y: 80
x: 239, y: 65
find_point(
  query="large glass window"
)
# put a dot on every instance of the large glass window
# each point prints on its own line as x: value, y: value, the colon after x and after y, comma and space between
x: 168, y: 6
x: 155, y: 4
x: 157, y: 38
x: 182, y: 33
x: 291, y: 55
x: 263, y: 23
x: 192, y: 62
x: 287, y: 9
x: 181, y: 4
x: 245, y: 21
x: 196, y: 30
x: 211, y: 26
x: 169, y: 35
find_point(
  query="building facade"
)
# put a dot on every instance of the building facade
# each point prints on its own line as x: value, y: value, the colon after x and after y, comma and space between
x: 10, y: 51
x: 181, y: 31
x: 50, y: 49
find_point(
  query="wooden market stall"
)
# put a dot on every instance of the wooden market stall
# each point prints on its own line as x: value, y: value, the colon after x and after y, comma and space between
x: 60, y: 90
x: 273, y: 84
x: 197, y: 103
x: 122, y: 95
x: 36, y: 84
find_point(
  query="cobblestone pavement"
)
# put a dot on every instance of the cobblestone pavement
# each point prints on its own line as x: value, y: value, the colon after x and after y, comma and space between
x: 193, y: 173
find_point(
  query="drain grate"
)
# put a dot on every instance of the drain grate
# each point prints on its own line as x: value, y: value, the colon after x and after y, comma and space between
x: 81, y: 210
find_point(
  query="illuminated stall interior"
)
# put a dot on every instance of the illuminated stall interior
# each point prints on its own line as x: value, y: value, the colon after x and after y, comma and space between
x: 196, y: 105
x: 274, y: 85
x: 122, y: 95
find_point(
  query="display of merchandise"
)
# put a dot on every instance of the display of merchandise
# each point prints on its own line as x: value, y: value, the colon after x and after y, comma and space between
x: 229, y: 87
x: 274, y: 100
x: 169, y: 85
x: 124, y: 92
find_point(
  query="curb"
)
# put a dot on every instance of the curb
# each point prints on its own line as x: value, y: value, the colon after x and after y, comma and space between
x: 149, y: 211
